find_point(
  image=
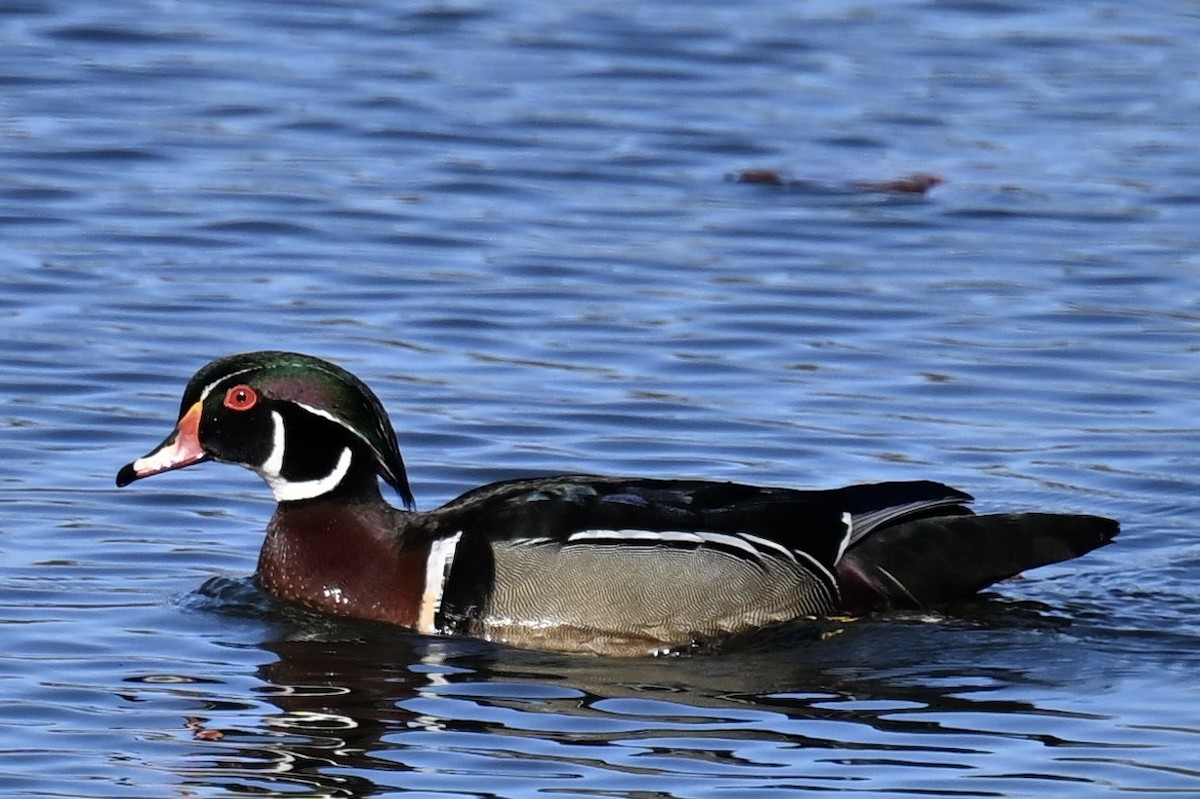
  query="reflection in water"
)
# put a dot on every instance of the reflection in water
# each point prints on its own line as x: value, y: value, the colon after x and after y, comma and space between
x: 352, y: 709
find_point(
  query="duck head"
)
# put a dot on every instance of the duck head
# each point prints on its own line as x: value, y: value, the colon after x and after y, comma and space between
x: 307, y: 426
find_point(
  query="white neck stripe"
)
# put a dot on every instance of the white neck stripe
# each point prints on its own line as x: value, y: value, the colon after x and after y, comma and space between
x: 290, y: 490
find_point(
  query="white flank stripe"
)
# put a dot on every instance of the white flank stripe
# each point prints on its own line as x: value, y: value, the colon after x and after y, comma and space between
x: 651, y: 536
x: 764, y: 543
x: 437, y: 570
x: 816, y: 568
x: 847, y: 520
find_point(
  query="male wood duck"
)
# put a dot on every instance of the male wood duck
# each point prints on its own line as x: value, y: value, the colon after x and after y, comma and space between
x: 577, y: 562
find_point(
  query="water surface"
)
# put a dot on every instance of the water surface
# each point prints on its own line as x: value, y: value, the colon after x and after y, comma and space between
x: 517, y: 223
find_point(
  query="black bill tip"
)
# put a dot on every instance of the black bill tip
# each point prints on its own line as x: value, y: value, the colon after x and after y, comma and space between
x: 126, y: 476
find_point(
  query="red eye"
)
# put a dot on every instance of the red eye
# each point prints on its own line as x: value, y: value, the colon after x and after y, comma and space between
x: 240, y: 398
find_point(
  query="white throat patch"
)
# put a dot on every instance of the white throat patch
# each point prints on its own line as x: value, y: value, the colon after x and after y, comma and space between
x: 290, y: 490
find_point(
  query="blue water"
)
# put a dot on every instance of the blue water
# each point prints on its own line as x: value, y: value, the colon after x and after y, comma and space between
x: 517, y: 222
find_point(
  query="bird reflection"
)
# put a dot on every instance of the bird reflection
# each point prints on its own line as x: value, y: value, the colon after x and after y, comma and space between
x: 357, y: 709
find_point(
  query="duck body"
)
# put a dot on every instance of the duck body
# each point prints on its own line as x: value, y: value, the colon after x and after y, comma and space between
x: 576, y: 562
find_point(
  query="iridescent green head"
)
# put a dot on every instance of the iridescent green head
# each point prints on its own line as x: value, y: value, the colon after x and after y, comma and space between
x: 301, y: 422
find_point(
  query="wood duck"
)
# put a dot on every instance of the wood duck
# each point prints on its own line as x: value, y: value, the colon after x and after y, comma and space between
x: 577, y: 562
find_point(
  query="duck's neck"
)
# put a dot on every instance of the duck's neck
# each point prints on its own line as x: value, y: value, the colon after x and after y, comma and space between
x: 346, y: 555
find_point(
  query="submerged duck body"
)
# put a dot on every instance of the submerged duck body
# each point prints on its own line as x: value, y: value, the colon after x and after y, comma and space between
x: 576, y: 562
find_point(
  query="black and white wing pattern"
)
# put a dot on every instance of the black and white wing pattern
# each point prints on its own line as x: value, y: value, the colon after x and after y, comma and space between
x: 652, y: 560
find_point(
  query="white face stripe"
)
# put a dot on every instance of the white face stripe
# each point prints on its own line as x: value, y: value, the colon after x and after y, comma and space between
x: 273, y: 465
x: 290, y: 490
x: 208, y: 389
x: 437, y: 571
x: 318, y: 412
x: 327, y: 415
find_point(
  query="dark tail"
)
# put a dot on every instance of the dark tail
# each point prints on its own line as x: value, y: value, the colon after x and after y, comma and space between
x: 935, y: 560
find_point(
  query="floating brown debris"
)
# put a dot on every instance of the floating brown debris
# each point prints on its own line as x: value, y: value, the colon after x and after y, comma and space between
x: 768, y: 176
x: 916, y: 183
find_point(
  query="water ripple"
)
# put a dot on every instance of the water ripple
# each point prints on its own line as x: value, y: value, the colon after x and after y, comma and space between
x: 516, y: 223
